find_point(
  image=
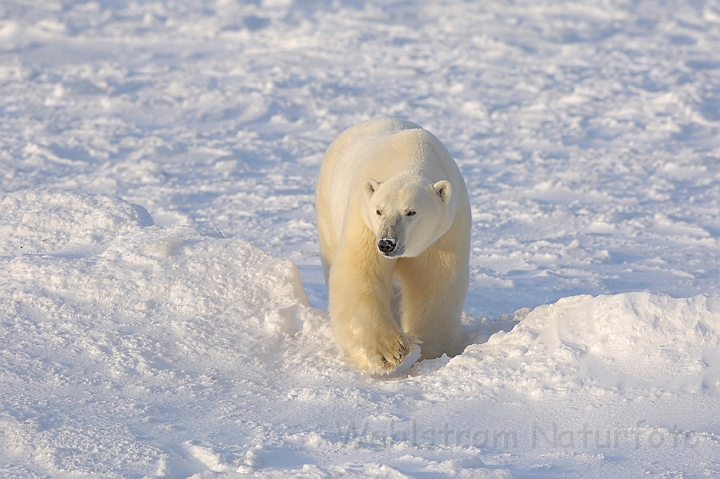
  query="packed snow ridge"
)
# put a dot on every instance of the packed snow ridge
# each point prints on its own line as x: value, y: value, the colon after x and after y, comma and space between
x: 122, y: 341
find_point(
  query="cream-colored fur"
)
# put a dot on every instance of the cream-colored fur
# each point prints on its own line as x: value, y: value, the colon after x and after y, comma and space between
x: 389, y: 180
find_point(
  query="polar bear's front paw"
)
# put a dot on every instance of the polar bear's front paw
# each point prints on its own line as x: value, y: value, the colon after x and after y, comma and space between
x: 387, y: 353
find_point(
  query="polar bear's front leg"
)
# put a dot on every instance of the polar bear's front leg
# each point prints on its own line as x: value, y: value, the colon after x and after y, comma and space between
x: 359, y: 292
x: 434, y: 285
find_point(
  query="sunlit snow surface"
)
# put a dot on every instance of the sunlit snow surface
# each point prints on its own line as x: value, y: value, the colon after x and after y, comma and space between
x: 157, y: 170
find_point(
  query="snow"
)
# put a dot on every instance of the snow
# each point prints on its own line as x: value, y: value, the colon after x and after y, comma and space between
x: 162, y: 300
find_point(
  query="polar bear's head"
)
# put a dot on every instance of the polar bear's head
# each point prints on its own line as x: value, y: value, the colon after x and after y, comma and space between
x: 407, y: 213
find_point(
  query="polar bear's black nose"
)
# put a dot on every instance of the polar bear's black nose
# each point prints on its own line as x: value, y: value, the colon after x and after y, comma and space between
x: 386, y: 245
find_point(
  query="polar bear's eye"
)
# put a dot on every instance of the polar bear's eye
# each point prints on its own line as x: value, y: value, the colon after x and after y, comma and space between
x: 410, y: 213
x: 379, y: 213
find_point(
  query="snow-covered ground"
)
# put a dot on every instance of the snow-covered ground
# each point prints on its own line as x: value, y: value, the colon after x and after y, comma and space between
x: 157, y: 171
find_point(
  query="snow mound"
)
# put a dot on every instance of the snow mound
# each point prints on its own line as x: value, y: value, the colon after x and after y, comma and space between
x: 137, y: 322
x: 46, y: 221
x: 631, y: 341
x: 132, y: 350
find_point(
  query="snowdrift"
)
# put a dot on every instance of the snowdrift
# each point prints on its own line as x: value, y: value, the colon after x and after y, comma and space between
x: 131, y: 350
x: 98, y: 306
x: 604, y: 344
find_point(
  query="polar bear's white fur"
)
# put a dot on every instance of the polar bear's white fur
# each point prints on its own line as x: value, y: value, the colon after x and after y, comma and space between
x: 393, y: 210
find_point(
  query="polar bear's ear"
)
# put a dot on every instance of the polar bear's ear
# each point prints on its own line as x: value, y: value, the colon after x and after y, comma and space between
x: 370, y: 187
x: 443, y: 189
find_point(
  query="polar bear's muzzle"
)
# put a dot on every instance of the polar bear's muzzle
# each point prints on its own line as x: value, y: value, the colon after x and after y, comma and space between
x: 390, y: 237
x: 387, y: 246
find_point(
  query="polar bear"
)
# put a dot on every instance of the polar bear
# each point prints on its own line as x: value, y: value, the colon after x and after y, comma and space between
x: 393, y: 220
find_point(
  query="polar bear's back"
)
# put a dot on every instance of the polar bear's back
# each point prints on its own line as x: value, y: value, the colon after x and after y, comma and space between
x: 380, y: 149
x: 355, y: 149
